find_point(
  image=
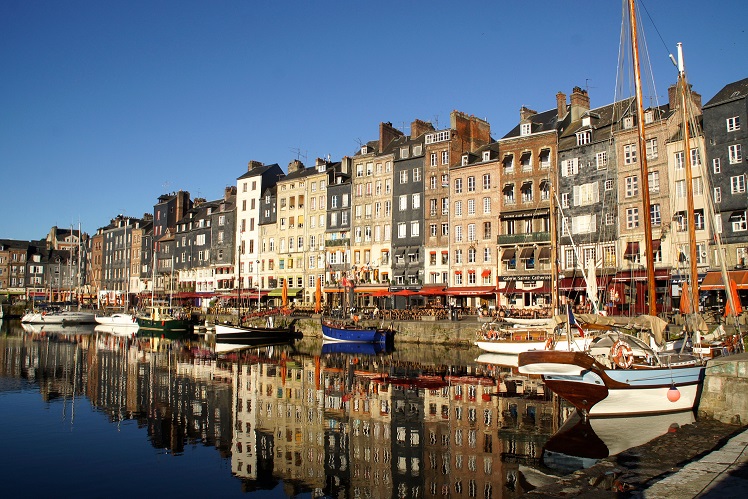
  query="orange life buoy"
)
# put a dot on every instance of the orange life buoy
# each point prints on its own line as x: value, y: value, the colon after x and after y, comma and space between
x: 621, y: 354
x: 549, y: 343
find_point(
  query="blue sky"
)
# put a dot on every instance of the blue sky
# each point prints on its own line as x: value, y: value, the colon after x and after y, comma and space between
x: 105, y: 105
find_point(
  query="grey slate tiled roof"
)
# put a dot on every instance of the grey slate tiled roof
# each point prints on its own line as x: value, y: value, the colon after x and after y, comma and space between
x: 732, y: 91
x: 541, y: 122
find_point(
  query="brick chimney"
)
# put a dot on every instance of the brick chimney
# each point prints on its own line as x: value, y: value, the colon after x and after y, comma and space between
x: 561, y: 109
x: 345, y: 165
x: 295, y: 166
x: 387, y: 133
x: 472, y: 131
x: 419, y: 127
x: 580, y: 103
x: 673, y: 95
x: 525, y: 113
x: 254, y: 164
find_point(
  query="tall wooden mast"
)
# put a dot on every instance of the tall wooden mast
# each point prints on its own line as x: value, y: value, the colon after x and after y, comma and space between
x: 690, y: 212
x: 642, y: 148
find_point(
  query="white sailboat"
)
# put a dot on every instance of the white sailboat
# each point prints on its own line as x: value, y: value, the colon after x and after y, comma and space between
x: 620, y: 375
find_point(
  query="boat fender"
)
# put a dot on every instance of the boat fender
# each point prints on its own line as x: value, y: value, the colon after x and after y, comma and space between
x: 621, y: 354
x: 549, y: 343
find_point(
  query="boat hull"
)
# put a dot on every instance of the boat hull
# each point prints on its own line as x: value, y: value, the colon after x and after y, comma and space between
x: 515, y: 347
x: 351, y: 334
x: 117, y: 320
x: 59, y: 318
x: 229, y: 333
x: 598, y: 391
x: 169, y: 328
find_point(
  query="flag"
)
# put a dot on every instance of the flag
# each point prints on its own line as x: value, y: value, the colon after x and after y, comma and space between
x: 573, y: 322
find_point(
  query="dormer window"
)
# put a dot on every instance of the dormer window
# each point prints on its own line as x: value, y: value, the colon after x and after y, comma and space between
x: 525, y: 129
x: 648, y: 116
x: 586, y: 121
x: 584, y: 137
x: 628, y: 122
x: 404, y: 152
x: 486, y: 155
x: 464, y: 160
x: 364, y: 149
x: 417, y: 150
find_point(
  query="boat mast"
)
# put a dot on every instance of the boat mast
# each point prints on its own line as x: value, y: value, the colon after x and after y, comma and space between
x: 642, y: 148
x: 153, y: 281
x: 690, y: 213
x: 239, y: 277
x: 554, y: 245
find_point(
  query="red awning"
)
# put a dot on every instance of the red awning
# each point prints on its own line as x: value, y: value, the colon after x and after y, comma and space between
x: 640, y: 275
x: 188, y: 294
x: 578, y: 283
x: 371, y: 290
x: 471, y: 291
x: 485, y: 273
x: 713, y: 280
x: 432, y: 290
x: 246, y: 293
x: 511, y: 287
x: 632, y: 249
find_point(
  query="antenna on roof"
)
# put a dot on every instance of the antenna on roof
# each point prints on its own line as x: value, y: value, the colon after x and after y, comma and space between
x: 297, y: 152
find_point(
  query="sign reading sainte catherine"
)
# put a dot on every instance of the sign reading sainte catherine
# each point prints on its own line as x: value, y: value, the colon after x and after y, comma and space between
x: 534, y: 277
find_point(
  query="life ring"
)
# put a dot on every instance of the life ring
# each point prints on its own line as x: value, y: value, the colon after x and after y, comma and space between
x: 549, y: 343
x: 621, y: 354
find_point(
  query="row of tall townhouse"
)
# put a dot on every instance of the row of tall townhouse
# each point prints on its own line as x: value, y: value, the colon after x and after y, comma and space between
x: 457, y: 214
x: 52, y: 268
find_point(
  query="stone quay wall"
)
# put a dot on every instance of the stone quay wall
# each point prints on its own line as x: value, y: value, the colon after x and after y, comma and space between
x: 724, y: 396
x: 440, y: 332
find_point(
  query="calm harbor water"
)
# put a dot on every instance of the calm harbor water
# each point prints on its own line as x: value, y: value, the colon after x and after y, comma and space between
x: 87, y: 413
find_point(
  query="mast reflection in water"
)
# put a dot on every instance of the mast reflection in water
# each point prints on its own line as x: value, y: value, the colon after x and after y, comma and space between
x: 283, y: 418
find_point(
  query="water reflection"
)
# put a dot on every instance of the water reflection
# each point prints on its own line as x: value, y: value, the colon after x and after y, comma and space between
x: 322, y: 419
x: 580, y: 444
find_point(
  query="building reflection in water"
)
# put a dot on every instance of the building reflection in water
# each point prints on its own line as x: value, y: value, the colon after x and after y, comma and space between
x: 338, y: 425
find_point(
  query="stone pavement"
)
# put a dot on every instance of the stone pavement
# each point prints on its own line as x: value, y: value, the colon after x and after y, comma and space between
x: 722, y: 473
x: 707, y: 458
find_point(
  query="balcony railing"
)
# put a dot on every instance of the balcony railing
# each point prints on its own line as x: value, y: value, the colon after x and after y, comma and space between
x: 532, y: 237
x: 338, y: 242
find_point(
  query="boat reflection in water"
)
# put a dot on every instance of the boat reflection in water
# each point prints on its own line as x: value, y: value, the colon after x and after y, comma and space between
x: 317, y: 420
x: 582, y: 443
